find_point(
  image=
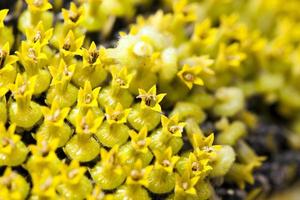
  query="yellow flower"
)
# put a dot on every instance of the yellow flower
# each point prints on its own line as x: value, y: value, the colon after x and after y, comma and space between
x: 117, y: 114
x: 8, y: 139
x: 183, y: 10
x: 185, y: 184
x: 165, y: 159
x: 140, y: 141
x: 137, y: 175
x: 70, y: 45
x: 88, y: 97
x: 230, y: 55
x: 43, y: 147
x: 39, y: 34
x: 13, y: 186
x: 121, y: 78
x: 74, y: 15
x: 190, y: 75
x: 88, y: 124
x: 203, y: 146
x: 3, y: 14
x: 198, y: 167
x: 38, y: 5
x: 55, y: 115
x: 23, y: 89
x: 92, y: 56
x: 150, y: 99
x: 171, y: 125
x: 110, y: 159
x: 5, y: 57
x: 72, y: 174
x: 97, y: 194
x: 44, y: 184
x: 203, y: 33
x: 61, y: 74
x: 31, y: 55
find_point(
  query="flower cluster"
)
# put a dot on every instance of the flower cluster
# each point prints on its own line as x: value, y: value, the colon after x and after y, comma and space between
x: 123, y: 122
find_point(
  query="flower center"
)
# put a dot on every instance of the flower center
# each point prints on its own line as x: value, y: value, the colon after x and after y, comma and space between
x: 166, y: 163
x: 188, y: 76
x: 136, y: 175
x: 93, y: 56
x: 67, y: 44
x: 38, y: 3
x: 37, y: 36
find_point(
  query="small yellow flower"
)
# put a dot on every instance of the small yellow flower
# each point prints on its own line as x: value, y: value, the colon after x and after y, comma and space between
x: 230, y: 55
x: 74, y: 15
x: 121, y: 78
x: 43, y: 147
x: 198, y: 167
x: 140, y: 141
x: 44, y: 184
x: 150, y: 99
x: 137, y: 175
x: 31, y: 55
x: 55, y: 115
x: 3, y: 14
x: 110, y: 159
x: 8, y: 139
x: 72, y: 173
x: 183, y: 10
x: 62, y: 73
x: 5, y: 57
x: 38, y: 5
x: 203, y: 146
x: 12, y: 185
x: 186, y: 184
x: 70, y: 45
x: 39, y: 34
x: 190, y: 75
x: 23, y: 89
x: 117, y: 114
x: 92, y: 56
x: 88, y: 124
x: 172, y: 125
x: 203, y: 32
x: 88, y: 97
x: 165, y: 160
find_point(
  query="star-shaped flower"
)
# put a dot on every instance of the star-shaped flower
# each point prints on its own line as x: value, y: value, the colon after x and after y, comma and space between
x: 73, y: 16
x: 117, y: 114
x: 87, y: 97
x: 172, y: 125
x: 61, y: 74
x: 137, y: 175
x: 140, y: 141
x: 72, y: 174
x: 88, y: 124
x: 31, y: 55
x: 121, y: 77
x: 190, y: 75
x: 150, y: 99
x: 92, y: 56
x: 5, y: 58
x: 70, y: 45
x: 55, y: 115
x: 185, y: 184
x: 165, y: 159
x: 23, y: 89
x: 230, y: 55
x: 39, y: 34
